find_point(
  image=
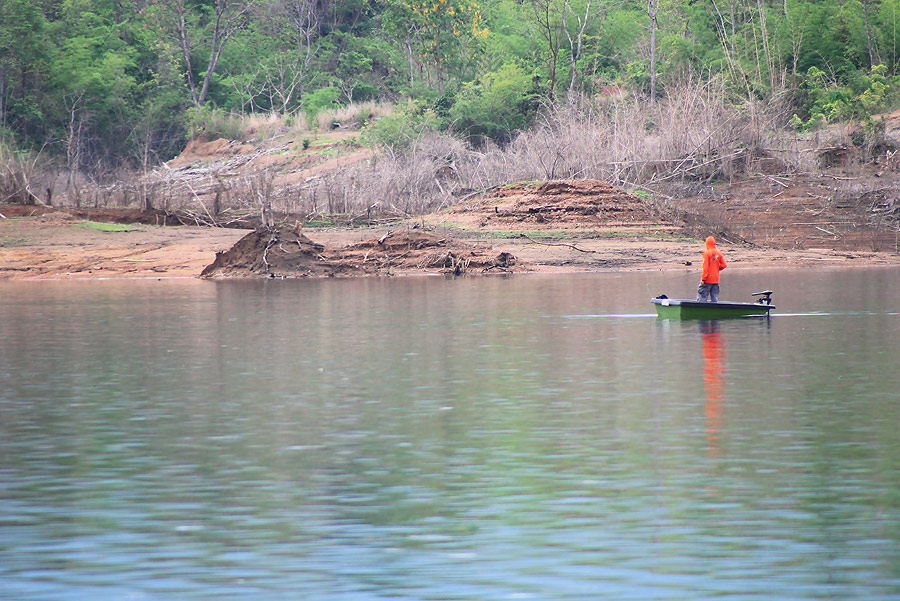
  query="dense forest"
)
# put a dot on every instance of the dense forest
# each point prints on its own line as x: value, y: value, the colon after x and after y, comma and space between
x: 97, y: 83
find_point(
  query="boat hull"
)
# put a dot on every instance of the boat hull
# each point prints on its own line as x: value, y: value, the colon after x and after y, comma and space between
x: 673, y: 308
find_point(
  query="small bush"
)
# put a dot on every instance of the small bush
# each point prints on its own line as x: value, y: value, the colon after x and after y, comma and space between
x: 400, y: 130
x: 318, y: 101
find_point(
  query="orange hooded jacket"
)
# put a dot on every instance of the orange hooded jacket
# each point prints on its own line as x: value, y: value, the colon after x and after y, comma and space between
x: 713, y: 262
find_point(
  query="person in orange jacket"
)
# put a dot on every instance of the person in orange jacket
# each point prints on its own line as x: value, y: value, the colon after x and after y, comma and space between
x: 713, y: 263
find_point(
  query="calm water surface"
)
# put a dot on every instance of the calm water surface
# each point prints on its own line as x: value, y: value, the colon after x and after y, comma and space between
x: 537, y: 437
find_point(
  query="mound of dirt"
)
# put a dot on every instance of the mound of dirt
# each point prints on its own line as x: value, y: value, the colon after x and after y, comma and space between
x: 562, y: 204
x: 284, y: 251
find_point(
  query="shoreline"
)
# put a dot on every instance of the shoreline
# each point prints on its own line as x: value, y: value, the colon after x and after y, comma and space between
x: 65, y: 249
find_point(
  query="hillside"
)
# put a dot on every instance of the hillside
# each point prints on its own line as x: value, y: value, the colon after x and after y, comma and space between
x: 845, y: 205
x: 846, y: 212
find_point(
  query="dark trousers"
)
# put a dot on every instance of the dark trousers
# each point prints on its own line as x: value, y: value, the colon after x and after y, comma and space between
x: 708, y: 290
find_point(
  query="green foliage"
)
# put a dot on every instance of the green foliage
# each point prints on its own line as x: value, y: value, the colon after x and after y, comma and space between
x: 354, y: 66
x: 614, y: 44
x: 828, y: 102
x: 496, y: 106
x: 22, y: 54
x: 401, y: 129
x: 318, y: 101
x: 876, y: 95
x: 109, y: 78
x: 440, y: 31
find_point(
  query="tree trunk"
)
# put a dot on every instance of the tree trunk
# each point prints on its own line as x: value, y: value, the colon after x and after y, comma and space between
x: 874, y: 55
x: 185, y: 49
x: 229, y: 18
x: 545, y: 25
x: 652, y: 9
x: 2, y: 95
x: 767, y: 56
x: 575, y: 46
x: 73, y: 150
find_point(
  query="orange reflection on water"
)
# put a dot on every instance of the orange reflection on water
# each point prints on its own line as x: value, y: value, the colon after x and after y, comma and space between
x: 714, y: 383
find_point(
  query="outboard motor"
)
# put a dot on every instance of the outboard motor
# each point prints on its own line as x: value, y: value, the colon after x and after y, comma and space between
x: 765, y: 297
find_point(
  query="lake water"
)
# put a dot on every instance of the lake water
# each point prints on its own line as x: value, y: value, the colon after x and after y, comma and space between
x: 534, y: 437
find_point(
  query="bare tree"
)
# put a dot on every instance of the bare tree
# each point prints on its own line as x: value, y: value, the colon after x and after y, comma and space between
x: 764, y: 33
x: 284, y: 78
x: 75, y: 105
x: 246, y: 86
x: 550, y: 30
x: 575, y: 44
x: 595, y: 12
x: 874, y: 54
x: 287, y: 72
x: 229, y: 17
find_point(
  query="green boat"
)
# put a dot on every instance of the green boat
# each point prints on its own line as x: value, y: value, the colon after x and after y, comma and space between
x: 673, y: 308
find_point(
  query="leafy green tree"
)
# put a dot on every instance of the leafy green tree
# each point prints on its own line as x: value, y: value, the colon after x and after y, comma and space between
x: 887, y: 25
x: 318, y: 101
x: 440, y: 36
x: 354, y: 63
x: 22, y: 56
x: 496, y: 106
x: 93, y: 77
x: 400, y: 130
x: 614, y: 44
x: 511, y: 37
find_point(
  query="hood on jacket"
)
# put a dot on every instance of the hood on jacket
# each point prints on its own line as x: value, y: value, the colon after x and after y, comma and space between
x: 710, y: 242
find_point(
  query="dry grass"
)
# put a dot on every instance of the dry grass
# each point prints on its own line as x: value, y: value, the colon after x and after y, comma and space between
x: 696, y: 134
x: 353, y: 116
x: 264, y: 126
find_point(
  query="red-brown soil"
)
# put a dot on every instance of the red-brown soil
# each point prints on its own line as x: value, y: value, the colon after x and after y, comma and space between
x: 551, y: 226
x: 56, y: 245
x: 567, y: 205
